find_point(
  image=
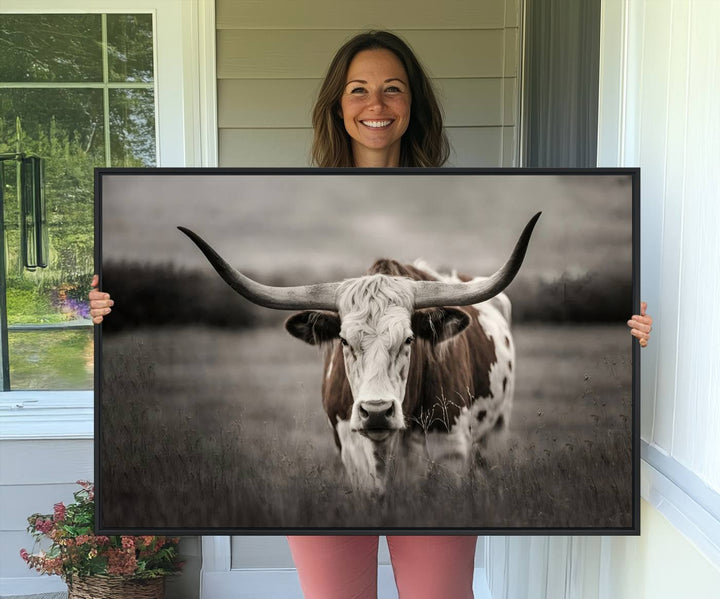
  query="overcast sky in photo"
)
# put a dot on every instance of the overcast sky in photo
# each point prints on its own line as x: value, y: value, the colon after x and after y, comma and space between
x: 323, y: 223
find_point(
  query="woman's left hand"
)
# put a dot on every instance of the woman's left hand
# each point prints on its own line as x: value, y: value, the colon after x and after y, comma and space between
x: 641, y: 325
x: 100, y: 303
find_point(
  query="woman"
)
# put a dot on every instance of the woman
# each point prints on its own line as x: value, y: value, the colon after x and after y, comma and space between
x: 377, y: 108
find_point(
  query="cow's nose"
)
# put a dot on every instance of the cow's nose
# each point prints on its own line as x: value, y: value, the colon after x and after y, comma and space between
x: 376, y: 413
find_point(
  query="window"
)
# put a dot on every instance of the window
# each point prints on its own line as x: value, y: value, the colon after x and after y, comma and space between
x: 186, y: 125
x: 78, y: 91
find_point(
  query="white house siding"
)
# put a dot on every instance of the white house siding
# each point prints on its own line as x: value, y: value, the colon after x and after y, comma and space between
x: 271, y: 58
x: 676, y: 127
x: 661, y: 113
x: 34, y: 475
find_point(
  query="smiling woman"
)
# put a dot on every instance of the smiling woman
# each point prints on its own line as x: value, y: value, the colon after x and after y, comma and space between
x: 375, y: 107
x: 376, y: 99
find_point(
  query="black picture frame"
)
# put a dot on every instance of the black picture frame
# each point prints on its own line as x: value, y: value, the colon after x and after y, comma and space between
x: 146, y: 292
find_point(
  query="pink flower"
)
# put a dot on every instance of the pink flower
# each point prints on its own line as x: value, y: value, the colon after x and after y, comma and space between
x: 53, y: 565
x: 121, y: 562
x: 44, y: 526
x: 59, y: 512
x: 24, y: 554
x: 128, y: 542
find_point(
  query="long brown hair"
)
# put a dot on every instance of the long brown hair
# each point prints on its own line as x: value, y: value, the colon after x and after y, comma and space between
x: 423, y: 144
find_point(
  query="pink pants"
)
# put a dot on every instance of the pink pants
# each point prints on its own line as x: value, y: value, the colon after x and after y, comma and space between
x: 345, y: 567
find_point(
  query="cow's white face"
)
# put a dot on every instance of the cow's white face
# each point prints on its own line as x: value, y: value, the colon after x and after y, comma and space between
x: 376, y: 336
x: 377, y: 325
x: 377, y: 360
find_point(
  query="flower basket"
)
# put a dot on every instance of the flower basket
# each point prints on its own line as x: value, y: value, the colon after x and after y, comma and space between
x: 98, y: 566
x: 116, y: 587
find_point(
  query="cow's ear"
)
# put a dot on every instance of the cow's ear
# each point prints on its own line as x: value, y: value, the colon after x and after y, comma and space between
x: 314, y: 327
x: 438, y: 324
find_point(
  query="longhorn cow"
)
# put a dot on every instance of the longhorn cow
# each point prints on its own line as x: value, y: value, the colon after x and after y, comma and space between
x: 419, y: 364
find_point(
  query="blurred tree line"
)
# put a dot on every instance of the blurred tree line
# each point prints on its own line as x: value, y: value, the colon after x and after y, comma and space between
x: 160, y: 295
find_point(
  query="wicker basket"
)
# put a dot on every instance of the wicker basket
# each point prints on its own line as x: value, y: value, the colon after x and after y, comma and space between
x: 116, y: 587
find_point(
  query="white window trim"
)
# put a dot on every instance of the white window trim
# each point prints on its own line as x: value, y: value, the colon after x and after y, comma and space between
x: 46, y: 415
x: 186, y: 125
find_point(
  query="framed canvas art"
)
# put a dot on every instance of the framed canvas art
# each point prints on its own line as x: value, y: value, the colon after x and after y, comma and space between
x: 393, y: 351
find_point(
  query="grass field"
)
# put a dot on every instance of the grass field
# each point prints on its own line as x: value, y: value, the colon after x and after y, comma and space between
x: 207, y: 428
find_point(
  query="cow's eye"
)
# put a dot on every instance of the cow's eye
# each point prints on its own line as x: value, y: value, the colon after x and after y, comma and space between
x: 409, y: 340
x: 343, y: 341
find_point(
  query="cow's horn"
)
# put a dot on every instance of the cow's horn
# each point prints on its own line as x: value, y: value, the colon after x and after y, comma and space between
x: 429, y: 294
x: 306, y: 297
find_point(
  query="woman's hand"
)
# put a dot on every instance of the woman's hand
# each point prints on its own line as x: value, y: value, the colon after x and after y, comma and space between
x: 99, y: 302
x: 640, y: 325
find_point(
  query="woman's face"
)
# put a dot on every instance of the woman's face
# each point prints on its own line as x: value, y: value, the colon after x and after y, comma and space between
x: 375, y: 106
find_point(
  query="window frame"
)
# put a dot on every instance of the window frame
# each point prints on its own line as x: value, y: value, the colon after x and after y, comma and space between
x: 186, y: 135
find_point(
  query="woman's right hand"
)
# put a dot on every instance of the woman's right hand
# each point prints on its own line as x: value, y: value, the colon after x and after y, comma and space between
x: 100, y: 302
x: 641, y: 325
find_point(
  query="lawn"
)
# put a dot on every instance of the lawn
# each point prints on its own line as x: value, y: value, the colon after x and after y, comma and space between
x: 207, y: 428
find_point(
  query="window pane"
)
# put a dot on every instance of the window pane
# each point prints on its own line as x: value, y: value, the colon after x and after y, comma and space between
x: 130, y: 47
x: 50, y: 48
x: 52, y: 119
x: 52, y: 360
x: 132, y: 127
x: 66, y: 127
